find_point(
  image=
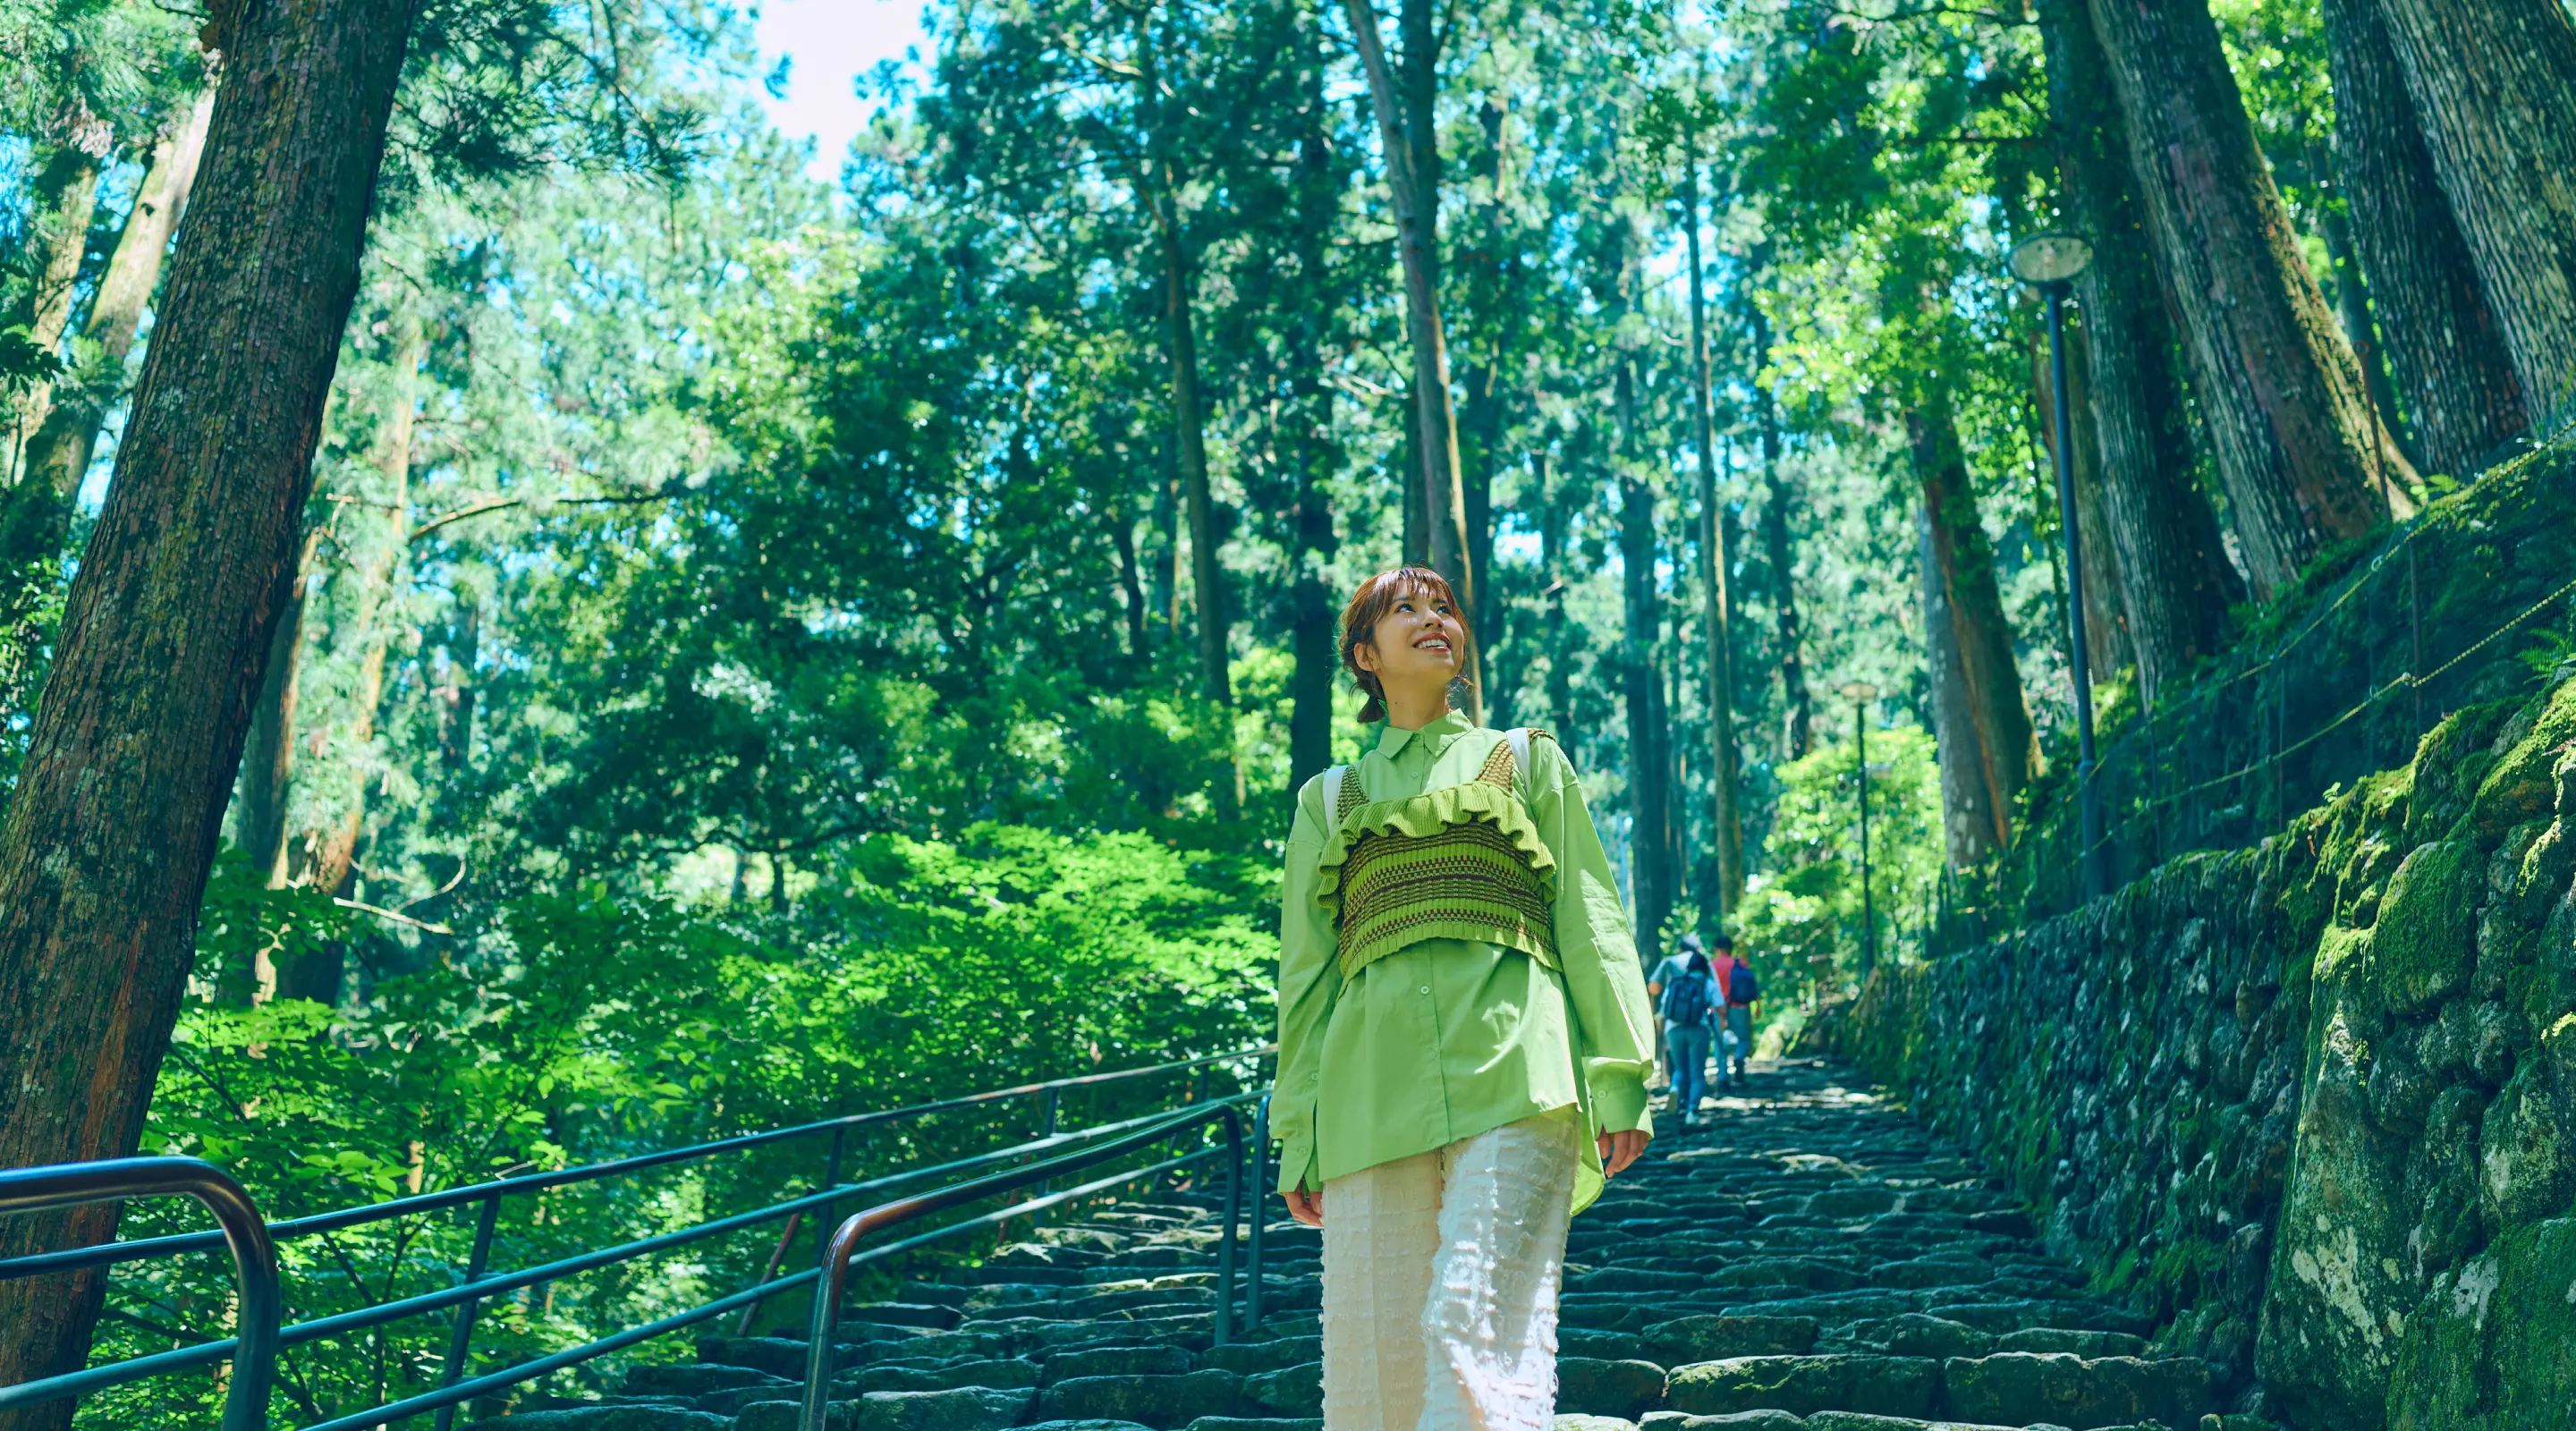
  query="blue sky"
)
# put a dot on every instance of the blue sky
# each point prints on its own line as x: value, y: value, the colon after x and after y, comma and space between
x: 832, y: 43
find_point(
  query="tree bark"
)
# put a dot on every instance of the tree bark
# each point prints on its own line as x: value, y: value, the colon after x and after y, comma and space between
x: 2004, y: 750
x: 1415, y: 197
x: 2304, y: 454
x: 1310, y: 715
x: 105, y: 849
x: 2106, y: 622
x: 2175, y: 580
x: 1180, y: 337
x: 2494, y: 82
x: 2446, y: 350
x: 1780, y: 550
x: 66, y: 191
x: 1726, y: 822
x: 1968, y: 822
x: 39, y: 507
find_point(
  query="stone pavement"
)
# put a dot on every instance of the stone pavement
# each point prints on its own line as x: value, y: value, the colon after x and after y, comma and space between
x: 1812, y: 1262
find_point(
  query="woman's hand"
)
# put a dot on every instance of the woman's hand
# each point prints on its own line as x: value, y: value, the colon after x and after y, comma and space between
x: 1618, y: 1150
x: 1308, y: 1207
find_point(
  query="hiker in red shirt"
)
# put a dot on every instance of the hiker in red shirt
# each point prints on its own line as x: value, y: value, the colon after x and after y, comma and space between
x: 1741, y: 991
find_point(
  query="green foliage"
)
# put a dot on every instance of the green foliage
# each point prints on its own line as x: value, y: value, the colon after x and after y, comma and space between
x: 591, y: 1027
x: 1801, y: 920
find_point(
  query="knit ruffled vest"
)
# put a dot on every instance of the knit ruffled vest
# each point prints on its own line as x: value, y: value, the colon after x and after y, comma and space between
x: 1465, y: 862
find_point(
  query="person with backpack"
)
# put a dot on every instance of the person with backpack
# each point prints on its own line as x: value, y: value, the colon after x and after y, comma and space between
x: 1691, y: 1004
x: 1741, y: 991
x: 1464, y: 1038
x: 1667, y: 970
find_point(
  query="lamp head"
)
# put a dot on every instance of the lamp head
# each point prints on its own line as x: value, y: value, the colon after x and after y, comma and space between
x: 2044, y: 259
x: 1859, y: 691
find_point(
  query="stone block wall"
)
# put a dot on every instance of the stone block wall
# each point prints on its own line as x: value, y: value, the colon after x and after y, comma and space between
x: 2311, y: 1106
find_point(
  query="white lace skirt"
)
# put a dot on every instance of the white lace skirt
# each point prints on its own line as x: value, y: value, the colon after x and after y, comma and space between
x: 1440, y: 1282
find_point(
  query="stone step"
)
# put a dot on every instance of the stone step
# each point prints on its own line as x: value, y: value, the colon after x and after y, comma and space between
x: 1812, y: 1262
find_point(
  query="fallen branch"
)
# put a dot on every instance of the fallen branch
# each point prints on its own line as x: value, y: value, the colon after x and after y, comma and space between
x: 394, y: 915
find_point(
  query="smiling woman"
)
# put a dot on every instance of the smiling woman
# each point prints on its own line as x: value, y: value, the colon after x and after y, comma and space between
x: 1463, y: 1036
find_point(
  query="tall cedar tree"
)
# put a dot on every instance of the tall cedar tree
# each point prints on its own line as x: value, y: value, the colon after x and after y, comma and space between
x: 1310, y: 718
x: 36, y: 512
x: 108, y: 840
x: 1779, y: 548
x: 1405, y: 119
x: 2174, y: 577
x: 2444, y: 345
x: 2305, y: 456
x: 2494, y: 84
x: 1998, y: 744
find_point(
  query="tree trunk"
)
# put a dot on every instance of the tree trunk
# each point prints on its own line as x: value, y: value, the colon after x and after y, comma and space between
x: 1551, y: 558
x: 1781, y: 552
x: 1180, y: 336
x: 2453, y: 369
x: 1650, y: 849
x: 40, y: 506
x: 2494, y: 82
x: 66, y: 190
x: 1726, y: 823
x: 268, y: 761
x: 2304, y: 454
x: 1310, y: 716
x: 2004, y: 750
x: 1968, y: 823
x: 1415, y: 197
x: 2352, y: 305
x: 104, y: 852
x: 2106, y: 623
x: 2175, y: 580
x: 1131, y: 585
x: 1482, y: 424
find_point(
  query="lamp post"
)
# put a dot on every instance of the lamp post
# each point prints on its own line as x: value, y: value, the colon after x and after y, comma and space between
x: 1860, y: 694
x: 2050, y: 262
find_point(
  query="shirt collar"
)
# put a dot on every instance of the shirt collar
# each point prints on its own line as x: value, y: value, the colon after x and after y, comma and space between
x: 1391, y: 742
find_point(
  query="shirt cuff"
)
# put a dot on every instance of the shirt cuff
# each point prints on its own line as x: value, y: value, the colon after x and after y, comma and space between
x: 1297, y: 1164
x: 1619, y: 1101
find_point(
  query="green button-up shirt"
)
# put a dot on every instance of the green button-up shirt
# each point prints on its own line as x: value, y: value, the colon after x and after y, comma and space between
x: 1445, y: 1039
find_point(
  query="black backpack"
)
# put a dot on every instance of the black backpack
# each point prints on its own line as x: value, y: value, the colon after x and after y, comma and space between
x: 1741, y: 986
x: 1686, y: 1002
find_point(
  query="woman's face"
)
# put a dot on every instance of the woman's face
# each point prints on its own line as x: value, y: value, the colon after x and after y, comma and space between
x: 1418, y: 643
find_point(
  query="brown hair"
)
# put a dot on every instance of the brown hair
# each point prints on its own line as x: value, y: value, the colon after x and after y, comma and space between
x: 1369, y: 605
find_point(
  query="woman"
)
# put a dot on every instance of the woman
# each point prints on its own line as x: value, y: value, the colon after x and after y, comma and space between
x: 1463, y: 1038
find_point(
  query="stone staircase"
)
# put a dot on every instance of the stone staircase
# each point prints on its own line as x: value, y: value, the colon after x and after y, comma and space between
x: 1812, y: 1262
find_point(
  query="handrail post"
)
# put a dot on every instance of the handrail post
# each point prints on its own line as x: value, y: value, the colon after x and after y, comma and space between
x: 245, y: 1234
x: 1260, y: 1210
x: 1049, y: 1106
x: 461, y: 1342
x: 831, y: 1179
x: 1225, y: 1241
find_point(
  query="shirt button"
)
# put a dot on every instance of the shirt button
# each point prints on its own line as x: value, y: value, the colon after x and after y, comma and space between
x: 1426, y: 988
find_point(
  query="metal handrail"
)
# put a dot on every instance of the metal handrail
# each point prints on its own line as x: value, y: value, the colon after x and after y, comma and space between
x: 842, y: 1252
x: 254, y: 1263
x: 269, y: 1336
x: 110, y: 1253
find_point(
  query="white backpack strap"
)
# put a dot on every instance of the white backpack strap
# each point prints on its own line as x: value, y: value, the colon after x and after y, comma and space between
x: 1333, y: 796
x: 1519, y: 736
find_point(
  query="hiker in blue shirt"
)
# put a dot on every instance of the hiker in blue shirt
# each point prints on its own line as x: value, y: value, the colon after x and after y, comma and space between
x: 1689, y: 1006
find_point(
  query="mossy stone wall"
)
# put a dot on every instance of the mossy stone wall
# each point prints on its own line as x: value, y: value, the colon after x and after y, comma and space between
x: 2312, y: 1105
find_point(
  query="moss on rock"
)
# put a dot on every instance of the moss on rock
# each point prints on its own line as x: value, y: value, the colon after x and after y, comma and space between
x: 2425, y: 940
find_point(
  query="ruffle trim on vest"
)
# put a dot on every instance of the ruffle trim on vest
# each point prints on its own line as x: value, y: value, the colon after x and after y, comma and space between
x: 1420, y: 816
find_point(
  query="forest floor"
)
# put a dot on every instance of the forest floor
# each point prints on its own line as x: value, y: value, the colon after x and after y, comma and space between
x: 1814, y: 1261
